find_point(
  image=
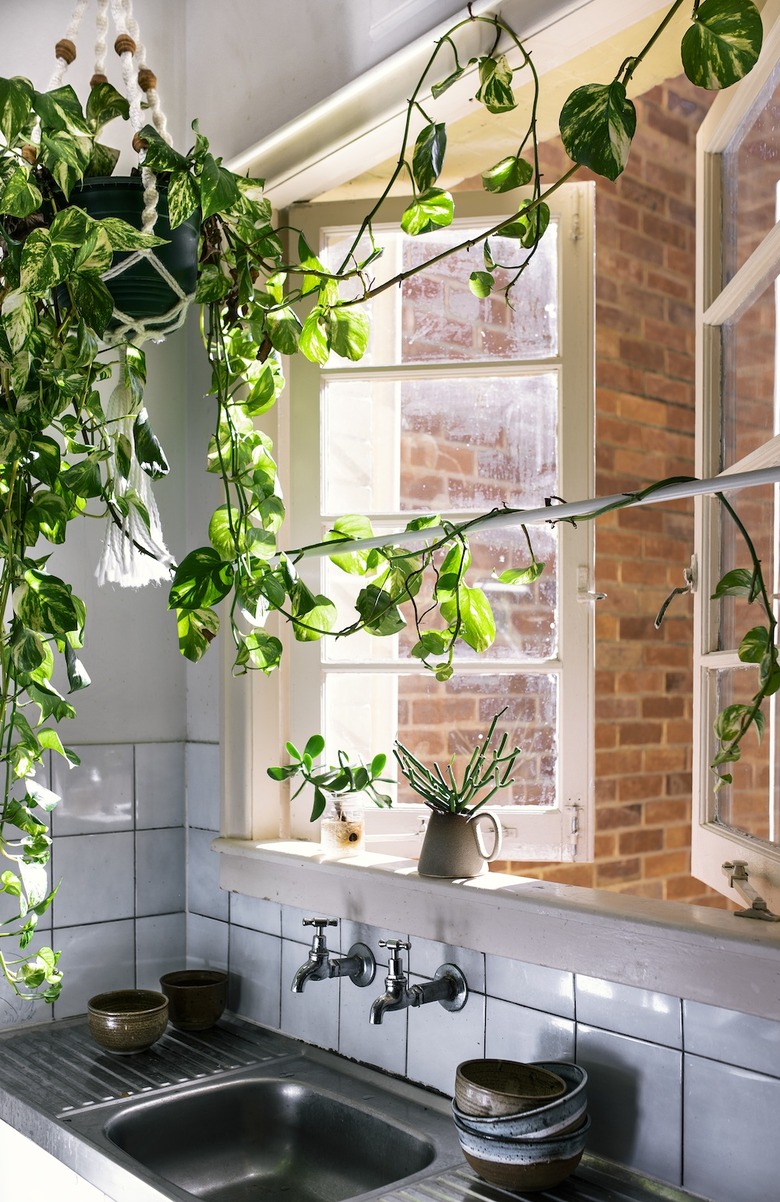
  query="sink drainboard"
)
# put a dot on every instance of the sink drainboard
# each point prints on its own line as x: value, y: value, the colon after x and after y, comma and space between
x: 60, y: 1072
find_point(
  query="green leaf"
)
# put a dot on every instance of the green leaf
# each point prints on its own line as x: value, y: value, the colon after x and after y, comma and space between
x: 350, y: 526
x: 597, y: 124
x: 509, y: 173
x: 50, y: 703
x: 262, y: 392
x: 201, y: 579
x: 314, y: 746
x: 722, y: 44
x: 349, y: 330
x: 78, y: 677
x: 124, y: 236
x: 495, y: 90
x: 223, y: 522
x: 15, y: 102
x: 260, y: 651
x: 83, y: 478
x: 444, y: 84
x: 432, y: 642
x: 60, y: 109
x: 45, y: 603
x: 182, y: 198
x: 148, y: 451
x: 94, y: 253
x: 729, y: 722
x: 45, y: 262
x: 218, y: 188
x: 755, y: 645
x: 13, y: 440
x: 213, y: 284
x: 102, y: 161
x: 197, y: 628
x: 44, y: 459
x: 379, y: 612
x: 50, y: 515
x: 478, y: 626
x: 93, y: 300
x: 20, y: 196
x: 481, y: 283
x: 737, y: 583
x: 428, y: 156
x: 521, y: 575
x: 314, y: 340
x: 104, y: 103
x: 27, y: 649
x: 284, y: 328
x: 159, y: 155
x: 19, y: 319
x: 431, y: 210
x: 312, y: 616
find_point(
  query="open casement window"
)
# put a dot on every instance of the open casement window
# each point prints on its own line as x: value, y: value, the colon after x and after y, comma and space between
x: 460, y: 406
x: 738, y: 417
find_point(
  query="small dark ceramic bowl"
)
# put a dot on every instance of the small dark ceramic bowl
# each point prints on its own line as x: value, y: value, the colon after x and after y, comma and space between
x: 555, y: 1118
x: 521, y: 1164
x: 127, y: 1020
x: 196, y: 997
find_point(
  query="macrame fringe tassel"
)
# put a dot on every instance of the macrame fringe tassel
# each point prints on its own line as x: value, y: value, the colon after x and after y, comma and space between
x: 133, y: 555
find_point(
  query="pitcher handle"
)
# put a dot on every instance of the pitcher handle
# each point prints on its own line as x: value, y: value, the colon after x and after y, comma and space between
x: 497, y: 834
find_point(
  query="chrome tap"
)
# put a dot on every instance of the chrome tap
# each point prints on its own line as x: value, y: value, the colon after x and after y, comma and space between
x: 358, y: 964
x: 448, y: 986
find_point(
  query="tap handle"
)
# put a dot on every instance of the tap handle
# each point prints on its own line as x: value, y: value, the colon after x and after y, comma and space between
x: 319, y: 945
x: 395, y: 946
x: 320, y: 923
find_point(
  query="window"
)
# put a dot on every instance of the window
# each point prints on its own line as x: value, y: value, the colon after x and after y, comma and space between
x: 739, y: 415
x: 460, y: 406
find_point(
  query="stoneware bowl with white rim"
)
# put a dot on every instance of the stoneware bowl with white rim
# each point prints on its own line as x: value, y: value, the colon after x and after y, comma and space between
x: 493, y: 1087
x: 545, y: 1122
x: 523, y: 1164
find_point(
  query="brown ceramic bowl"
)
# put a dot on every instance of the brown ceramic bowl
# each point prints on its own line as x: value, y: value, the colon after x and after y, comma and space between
x: 527, y: 1165
x: 496, y: 1087
x: 127, y: 1020
x: 196, y: 997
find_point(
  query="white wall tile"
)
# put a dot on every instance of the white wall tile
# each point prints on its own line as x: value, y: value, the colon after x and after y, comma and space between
x: 159, y: 785
x: 438, y: 1040
x: 255, y: 975
x: 384, y: 1045
x: 256, y: 913
x: 635, y: 1101
x: 426, y: 955
x: 207, y: 942
x: 734, y: 1038
x: 314, y: 1014
x: 731, y: 1149
x: 519, y: 1033
x: 641, y: 1013
x: 531, y: 985
x: 160, y: 870
x: 97, y: 795
x: 203, y: 785
x: 95, y: 958
x: 204, y: 895
x: 160, y: 946
x: 98, y: 878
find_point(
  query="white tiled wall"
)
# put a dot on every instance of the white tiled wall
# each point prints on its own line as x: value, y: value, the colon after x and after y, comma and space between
x: 683, y: 1091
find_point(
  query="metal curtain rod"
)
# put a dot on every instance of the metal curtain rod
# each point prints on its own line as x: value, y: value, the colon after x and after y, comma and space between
x: 728, y: 482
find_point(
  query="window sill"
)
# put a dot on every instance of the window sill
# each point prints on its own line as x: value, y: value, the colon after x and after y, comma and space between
x: 686, y: 951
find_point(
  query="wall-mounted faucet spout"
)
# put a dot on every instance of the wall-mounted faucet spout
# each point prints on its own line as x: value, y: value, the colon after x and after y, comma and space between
x: 448, y: 987
x: 358, y: 964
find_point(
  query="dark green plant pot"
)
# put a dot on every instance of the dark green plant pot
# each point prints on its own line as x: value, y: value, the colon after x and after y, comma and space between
x: 140, y: 291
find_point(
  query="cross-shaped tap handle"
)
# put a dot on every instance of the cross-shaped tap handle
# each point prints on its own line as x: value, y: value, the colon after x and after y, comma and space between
x: 395, y: 945
x: 320, y: 922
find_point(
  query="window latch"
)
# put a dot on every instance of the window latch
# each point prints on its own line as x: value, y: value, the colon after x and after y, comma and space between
x: 737, y: 872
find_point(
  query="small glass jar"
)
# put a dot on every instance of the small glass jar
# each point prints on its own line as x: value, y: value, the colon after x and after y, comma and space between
x: 342, y: 828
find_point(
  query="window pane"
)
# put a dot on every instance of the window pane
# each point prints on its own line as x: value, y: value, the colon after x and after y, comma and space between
x: 442, y: 319
x: 749, y: 372
x: 464, y: 443
x: 750, y: 176
x: 526, y: 614
x: 440, y: 721
x: 757, y: 509
x: 751, y: 803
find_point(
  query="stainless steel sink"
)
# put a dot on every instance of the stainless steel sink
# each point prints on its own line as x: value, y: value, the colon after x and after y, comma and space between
x: 291, y: 1131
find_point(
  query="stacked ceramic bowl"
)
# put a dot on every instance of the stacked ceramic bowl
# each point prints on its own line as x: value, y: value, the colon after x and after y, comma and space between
x: 521, y: 1126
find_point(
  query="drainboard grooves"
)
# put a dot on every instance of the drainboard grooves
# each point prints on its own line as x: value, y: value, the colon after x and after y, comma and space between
x: 460, y: 1185
x: 59, y: 1068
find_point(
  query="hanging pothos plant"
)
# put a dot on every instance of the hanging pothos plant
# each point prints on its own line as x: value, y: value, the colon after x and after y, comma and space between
x: 263, y: 295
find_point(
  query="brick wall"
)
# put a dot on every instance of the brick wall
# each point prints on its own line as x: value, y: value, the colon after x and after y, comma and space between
x: 645, y: 230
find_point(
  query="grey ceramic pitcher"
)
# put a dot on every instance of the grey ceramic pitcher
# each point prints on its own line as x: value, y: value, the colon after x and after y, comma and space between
x: 453, y: 846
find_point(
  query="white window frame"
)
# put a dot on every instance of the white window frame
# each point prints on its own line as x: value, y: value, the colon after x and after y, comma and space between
x: 564, y: 833
x: 713, y: 845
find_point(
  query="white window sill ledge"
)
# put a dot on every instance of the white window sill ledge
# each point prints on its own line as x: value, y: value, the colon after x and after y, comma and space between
x: 687, y: 951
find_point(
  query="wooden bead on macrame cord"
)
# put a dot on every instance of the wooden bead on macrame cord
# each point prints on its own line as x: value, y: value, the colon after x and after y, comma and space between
x: 66, y: 50
x: 124, y: 43
x: 147, y: 80
x: 98, y: 78
x: 139, y: 143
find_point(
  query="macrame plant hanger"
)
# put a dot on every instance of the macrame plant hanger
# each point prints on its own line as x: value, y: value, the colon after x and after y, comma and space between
x: 133, y: 554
